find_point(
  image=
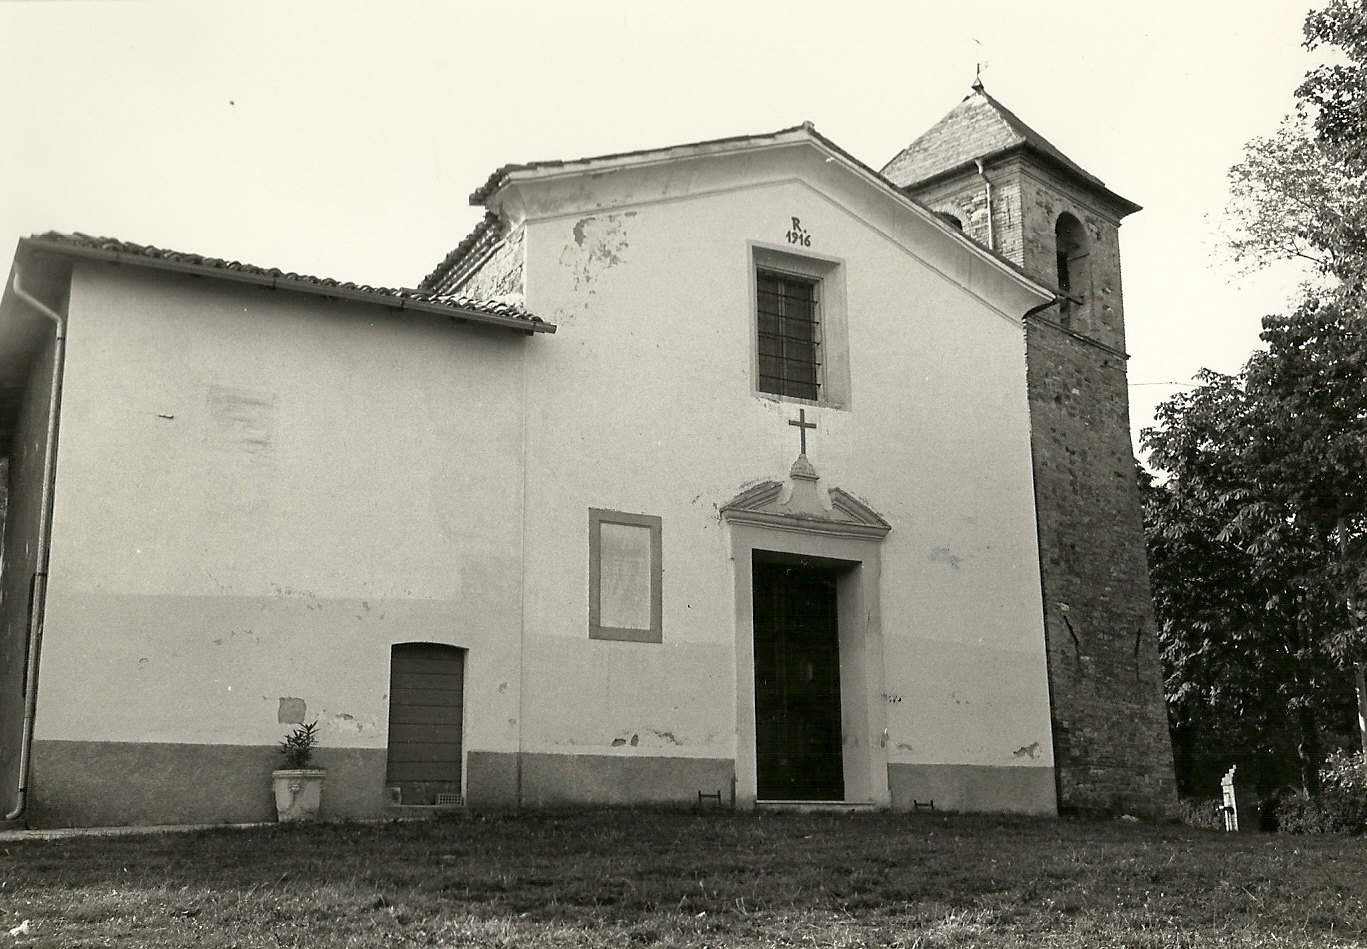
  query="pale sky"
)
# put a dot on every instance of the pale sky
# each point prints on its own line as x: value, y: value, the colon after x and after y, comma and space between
x: 343, y: 139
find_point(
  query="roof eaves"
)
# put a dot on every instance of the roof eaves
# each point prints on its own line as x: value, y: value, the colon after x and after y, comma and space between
x: 108, y: 250
x: 1124, y: 205
x: 500, y: 177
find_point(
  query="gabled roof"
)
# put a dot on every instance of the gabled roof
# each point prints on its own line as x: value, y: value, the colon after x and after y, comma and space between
x: 806, y: 132
x: 692, y: 149
x: 84, y: 246
x: 980, y: 127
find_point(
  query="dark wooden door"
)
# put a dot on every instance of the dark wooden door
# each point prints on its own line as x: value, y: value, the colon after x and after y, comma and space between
x: 426, y: 694
x: 797, y: 683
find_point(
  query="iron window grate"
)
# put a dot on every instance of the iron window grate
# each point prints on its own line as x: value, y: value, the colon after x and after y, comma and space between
x: 789, y: 333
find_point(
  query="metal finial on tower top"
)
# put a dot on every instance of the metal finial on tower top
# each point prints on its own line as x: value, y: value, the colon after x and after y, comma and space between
x: 978, y: 78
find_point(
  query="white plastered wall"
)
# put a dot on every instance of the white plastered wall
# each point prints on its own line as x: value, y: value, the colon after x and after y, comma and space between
x: 645, y: 405
x: 258, y: 493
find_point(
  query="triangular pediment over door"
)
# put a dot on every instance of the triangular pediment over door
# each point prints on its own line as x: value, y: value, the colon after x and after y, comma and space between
x: 764, y: 505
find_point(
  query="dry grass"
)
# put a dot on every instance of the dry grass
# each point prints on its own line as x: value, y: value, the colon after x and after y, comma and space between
x: 636, y: 877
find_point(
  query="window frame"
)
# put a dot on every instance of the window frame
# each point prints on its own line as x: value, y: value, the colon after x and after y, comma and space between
x: 828, y: 274
x: 655, y: 634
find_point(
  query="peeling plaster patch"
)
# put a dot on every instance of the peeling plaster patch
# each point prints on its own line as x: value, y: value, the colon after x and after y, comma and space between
x: 292, y: 711
x: 502, y: 688
x: 903, y: 746
x: 943, y: 555
x: 635, y: 740
x: 618, y: 742
x: 342, y: 720
x: 669, y: 737
x: 142, y: 664
x: 599, y: 243
x: 1029, y: 751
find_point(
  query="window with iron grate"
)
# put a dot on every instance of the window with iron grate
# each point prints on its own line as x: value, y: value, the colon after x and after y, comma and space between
x: 789, y: 326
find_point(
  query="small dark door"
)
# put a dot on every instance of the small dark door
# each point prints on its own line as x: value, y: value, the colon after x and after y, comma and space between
x: 426, y: 694
x: 797, y: 683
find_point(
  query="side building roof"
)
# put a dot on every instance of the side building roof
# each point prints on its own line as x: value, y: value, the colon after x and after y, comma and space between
x: 83, y: 246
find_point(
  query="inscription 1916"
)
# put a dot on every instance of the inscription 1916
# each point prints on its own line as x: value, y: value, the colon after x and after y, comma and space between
x: 798, y: 236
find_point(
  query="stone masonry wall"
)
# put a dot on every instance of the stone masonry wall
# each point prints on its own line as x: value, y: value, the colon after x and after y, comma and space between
x: 966, y: 199
x: 1111, y: 744
x: 1043, y: 198
x: 500, y: 276
x: 1110, y: 720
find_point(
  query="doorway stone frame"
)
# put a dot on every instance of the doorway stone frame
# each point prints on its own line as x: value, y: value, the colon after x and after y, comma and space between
x: 846, y: 535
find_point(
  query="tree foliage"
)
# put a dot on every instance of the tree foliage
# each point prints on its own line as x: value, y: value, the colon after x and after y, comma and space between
x: 1337, y: 92
x: 1250, y: 617
x: 1301, y: 192
x: 1258, y: 535
x: 1290, y: 199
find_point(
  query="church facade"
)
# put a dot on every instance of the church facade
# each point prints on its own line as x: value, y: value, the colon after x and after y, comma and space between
x: 731, y: 471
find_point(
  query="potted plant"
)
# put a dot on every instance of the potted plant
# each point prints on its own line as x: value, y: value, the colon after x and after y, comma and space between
x: 298, y: 787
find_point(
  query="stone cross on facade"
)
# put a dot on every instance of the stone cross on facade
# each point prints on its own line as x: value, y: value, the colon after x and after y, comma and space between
x: 802, y: 425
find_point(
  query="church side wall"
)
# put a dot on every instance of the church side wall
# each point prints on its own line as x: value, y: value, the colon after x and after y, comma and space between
x: 258, y: 494
x: 27, y: 457
x: 646, y: 405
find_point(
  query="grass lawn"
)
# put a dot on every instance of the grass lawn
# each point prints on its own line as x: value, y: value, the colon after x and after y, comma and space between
x: 641, y: 877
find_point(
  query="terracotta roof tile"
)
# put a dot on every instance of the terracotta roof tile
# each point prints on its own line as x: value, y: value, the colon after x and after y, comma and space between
x: 449, y: 271
x: 112, y: 249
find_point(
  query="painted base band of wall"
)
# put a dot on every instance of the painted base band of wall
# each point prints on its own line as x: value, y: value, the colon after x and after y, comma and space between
x: 973, y: 787
x: 108, y: 783
x: 95, y: 783
x: 492, y: 778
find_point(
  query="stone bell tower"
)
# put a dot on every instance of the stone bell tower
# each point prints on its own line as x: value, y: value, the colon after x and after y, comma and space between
x: 986, y: 171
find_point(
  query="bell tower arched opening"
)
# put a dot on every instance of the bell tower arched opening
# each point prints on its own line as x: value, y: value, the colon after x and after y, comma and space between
x: 1073, y: 252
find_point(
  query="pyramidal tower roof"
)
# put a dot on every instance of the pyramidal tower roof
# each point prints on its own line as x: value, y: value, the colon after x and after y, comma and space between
x: 980, y: 127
